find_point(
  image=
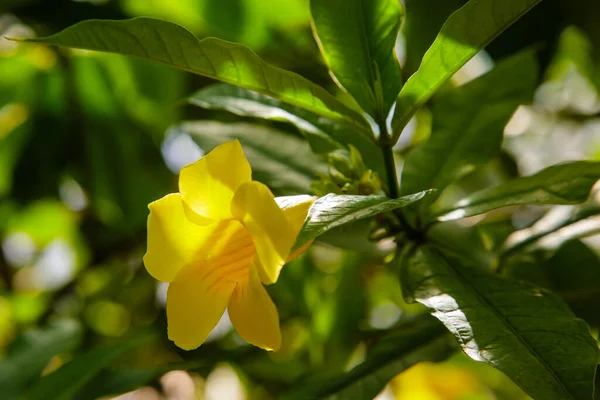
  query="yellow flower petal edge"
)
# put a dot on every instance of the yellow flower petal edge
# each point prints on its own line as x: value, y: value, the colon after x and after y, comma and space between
x: 193, y: 307
x: 295, y: 209
x: 173, y: 240
x: 217, y: 243
x: 208, y: 185
x: 254, y: 315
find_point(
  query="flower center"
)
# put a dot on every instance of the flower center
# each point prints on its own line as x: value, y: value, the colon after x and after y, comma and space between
x: 228, y: 256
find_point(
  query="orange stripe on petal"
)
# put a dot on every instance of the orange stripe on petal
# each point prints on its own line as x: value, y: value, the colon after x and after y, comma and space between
x: 255, y: 207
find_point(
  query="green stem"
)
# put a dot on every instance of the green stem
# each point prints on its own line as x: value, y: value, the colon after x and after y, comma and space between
x: 390, y: 169
x: 392, y: 178
x: 388, y: 158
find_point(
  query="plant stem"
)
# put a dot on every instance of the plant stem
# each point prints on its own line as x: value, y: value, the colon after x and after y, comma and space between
x: 392, y: 178
x: 390, y: 169
x: 388, y: 158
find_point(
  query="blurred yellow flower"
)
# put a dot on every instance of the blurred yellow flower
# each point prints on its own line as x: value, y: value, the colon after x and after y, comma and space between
x: 217, y: 242
x: 428, y: 381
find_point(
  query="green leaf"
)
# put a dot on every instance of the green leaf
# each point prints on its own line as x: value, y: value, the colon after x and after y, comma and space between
x: 324, y: 135
x: 247, y: 103
x: 526, y: 332
x: 357, y: 39
x: 68, y: 379
x: 420, y: 339
x: 468, y: 124
x: 168, y: 43
x: 568, y: 183
x: 468, y: 30
x: 27, y: 356
x: 575, y: 49
x: 334, y: 210
x: 282, y: 161
x: 574, y: 272
x: 422, y: 22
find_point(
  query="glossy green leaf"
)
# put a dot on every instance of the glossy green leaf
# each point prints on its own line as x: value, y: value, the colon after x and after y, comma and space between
x: 65, y: 382
x: 168, y: 43
x: 357, y: 39
x: 422, y: 23
x: 27, y: 356
x: 468, y: 124
x: 282, y: 161
x: 323, y: 134
x: 526, y: 332
x: 419, y: 339
x: 568, y: 183
x: 334, y: 210
x: 466, y: 32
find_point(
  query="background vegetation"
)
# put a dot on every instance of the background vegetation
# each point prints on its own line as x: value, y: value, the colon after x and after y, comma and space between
x: 88, y: 139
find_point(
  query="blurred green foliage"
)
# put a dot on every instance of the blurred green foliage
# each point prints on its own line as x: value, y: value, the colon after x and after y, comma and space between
x: 88, y: 139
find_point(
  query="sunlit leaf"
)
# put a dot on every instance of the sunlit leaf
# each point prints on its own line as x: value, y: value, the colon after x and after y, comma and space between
x: 422, y: 22
x: 468, y: 30
x: 357, y: 39
x: 165, y: 42
x: 334, y: 210
x: 323, y: 134
x: 574, y: 50
x: 468, y: 123
x: 568, y: 183
x: 526, y: 332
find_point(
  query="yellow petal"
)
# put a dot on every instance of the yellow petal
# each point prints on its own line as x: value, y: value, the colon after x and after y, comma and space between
x: 208, y: 185
x: 173, y: 241
x: 195, y: 305
x: 295, y: 209
x: 254, y: 315
x: 255, y: 206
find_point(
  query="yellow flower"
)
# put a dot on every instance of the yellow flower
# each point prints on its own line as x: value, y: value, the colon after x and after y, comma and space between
x: 217, y: 241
